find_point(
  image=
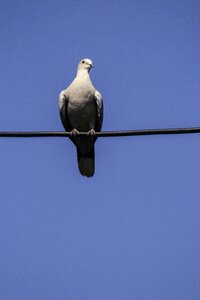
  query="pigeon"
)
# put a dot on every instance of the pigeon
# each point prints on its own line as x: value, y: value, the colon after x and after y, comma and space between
x: 81, y: 110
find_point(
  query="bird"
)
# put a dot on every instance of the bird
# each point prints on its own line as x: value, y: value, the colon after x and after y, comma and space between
x: 81, y: 110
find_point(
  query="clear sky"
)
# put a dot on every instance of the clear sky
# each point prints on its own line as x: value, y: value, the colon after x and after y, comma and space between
x: 133, y: 230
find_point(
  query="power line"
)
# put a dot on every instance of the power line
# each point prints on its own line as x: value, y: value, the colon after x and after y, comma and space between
x: 29, y: 134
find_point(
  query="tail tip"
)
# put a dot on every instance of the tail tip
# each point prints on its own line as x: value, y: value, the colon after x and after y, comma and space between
x: 86, y: 166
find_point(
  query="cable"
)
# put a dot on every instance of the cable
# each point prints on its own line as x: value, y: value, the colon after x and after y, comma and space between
x: 101, y: 134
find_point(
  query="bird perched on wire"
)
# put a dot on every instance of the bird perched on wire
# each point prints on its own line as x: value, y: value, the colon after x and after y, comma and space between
x: 81, y: 110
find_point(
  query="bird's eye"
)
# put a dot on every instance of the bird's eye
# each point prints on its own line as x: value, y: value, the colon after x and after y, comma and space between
x: 83, y: 61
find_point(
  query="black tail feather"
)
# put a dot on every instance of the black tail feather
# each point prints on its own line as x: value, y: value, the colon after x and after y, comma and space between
x: 86, y: 163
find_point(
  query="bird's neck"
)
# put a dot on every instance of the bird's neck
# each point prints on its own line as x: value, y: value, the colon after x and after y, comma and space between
x: 83, y: 74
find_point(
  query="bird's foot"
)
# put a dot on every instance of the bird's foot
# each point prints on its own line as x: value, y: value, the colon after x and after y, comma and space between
x: 92, y: 132
x: 74, y: 132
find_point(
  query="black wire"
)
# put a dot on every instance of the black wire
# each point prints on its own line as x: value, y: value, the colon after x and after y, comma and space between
x: 101, y: 134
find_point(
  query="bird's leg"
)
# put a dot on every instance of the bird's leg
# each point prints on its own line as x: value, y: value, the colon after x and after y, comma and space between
x: 74, y: 132
x: 92, y: 132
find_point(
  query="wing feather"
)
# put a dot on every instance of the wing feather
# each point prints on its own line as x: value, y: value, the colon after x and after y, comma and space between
x: 99, y: 104
x: 63, y: 108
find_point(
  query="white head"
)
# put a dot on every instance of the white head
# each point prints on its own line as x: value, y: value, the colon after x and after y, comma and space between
x: 85, y: 64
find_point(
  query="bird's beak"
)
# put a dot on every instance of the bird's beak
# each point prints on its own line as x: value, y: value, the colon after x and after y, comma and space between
x: 91, y: 66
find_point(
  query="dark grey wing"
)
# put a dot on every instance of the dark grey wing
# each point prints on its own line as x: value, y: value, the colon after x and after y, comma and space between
x: 63, y: 108
x: 99, y: 104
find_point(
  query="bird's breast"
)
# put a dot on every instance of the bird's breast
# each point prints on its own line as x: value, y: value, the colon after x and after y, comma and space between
x: 82, y: 112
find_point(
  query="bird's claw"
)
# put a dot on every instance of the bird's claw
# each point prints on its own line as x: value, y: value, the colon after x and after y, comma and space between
x: 92, y: 132
x: 74, y: 132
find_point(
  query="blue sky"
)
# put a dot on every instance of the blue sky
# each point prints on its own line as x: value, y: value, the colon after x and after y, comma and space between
x: 133, y: 230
